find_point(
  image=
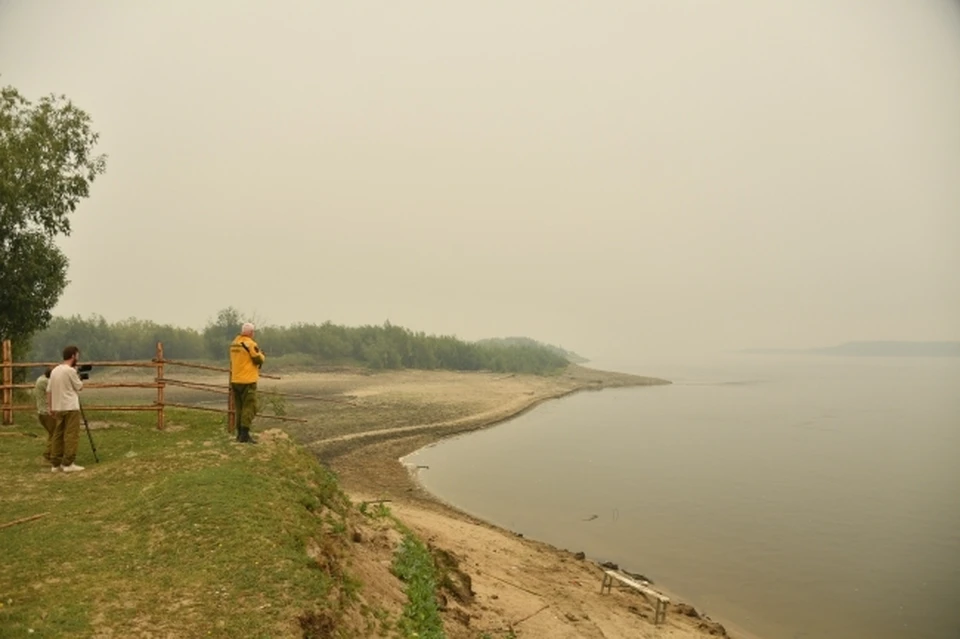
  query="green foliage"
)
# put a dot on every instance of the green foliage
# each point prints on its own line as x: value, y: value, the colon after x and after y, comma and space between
x: 413, y: 564
x: 47, y: 165
x: 130, y: 339
x: 380, y: 510
x: 33, y: 274
x: 277, y: 403
x: 46, y: 162
x: 301, y: 345
x: 570, y: 356
x: 395, y: 347
x: 221, y: 332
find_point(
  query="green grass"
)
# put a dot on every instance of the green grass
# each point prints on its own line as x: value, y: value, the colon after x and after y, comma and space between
x: 175, y: 533
x: 414, y: 565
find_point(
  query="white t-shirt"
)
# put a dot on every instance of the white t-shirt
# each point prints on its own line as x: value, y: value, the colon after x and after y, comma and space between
x: 63, y: 387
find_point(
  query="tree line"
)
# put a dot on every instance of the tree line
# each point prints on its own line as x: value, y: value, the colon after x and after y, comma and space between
x: 299, y: 345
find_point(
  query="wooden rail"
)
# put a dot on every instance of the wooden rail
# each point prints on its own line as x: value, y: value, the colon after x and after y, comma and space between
x: 159, y: 363
x: 207, y: 367
x: 89, y: 408
x: 281, y: 418
x: 124, y: 364
x: 210, y: 388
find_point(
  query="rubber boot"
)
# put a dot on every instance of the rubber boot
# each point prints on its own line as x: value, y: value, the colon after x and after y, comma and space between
x: 245, y: 437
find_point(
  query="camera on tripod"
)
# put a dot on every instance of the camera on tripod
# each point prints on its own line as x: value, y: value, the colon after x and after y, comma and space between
x: 84, y: 370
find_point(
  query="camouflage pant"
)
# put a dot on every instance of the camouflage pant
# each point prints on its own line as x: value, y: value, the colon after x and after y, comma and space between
x: 244, y: 403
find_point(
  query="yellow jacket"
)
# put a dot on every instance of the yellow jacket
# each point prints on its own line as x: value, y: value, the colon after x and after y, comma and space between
x: 246, y: 358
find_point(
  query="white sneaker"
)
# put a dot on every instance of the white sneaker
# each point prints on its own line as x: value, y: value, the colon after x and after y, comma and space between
x: 72, y: 468
x: 56, y: 469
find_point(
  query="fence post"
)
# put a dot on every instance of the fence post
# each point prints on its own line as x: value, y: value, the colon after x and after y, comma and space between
x: 160, y: 386
x: 7, y: 382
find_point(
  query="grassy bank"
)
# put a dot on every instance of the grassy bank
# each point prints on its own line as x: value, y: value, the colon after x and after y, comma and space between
x: 183, y: 533
x: 176, y: 533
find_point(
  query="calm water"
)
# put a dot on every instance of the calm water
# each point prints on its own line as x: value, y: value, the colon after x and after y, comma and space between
x: 799, y: 497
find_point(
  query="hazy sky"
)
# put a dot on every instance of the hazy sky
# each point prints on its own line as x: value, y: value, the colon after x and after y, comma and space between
x: 619, y: 177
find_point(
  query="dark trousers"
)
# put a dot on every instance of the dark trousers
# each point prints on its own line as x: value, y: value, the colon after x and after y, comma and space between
x: 244, y: 404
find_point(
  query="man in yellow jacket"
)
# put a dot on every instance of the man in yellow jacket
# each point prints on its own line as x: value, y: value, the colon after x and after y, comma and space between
x: 246, y: 358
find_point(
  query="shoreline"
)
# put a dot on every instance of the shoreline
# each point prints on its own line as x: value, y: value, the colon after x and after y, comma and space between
x: 380, y: 454
x: 733, y: 630
x: 413, y: 472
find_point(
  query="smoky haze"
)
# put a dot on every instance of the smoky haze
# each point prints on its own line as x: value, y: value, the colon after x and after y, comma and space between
x: 617, y: 177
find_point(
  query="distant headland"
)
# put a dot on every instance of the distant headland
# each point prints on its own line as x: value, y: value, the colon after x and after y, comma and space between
x: 873, y: 349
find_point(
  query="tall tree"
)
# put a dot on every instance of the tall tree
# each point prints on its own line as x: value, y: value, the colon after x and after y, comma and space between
x: 219, y: 333
x: 47, y: 164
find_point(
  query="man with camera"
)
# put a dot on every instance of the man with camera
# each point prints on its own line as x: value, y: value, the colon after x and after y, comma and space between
x: 246, y: 358
x: 63, y: 401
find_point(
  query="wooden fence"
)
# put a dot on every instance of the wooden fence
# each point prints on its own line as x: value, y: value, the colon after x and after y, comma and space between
x: 159, y: 364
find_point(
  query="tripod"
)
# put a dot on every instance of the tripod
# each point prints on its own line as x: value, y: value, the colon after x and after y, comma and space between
x: 89, y: 436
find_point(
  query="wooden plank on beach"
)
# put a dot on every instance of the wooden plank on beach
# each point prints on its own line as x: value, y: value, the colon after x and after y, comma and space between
x: 660, y: 614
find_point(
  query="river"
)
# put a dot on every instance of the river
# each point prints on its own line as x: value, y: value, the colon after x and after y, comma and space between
x: 799, y: 496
